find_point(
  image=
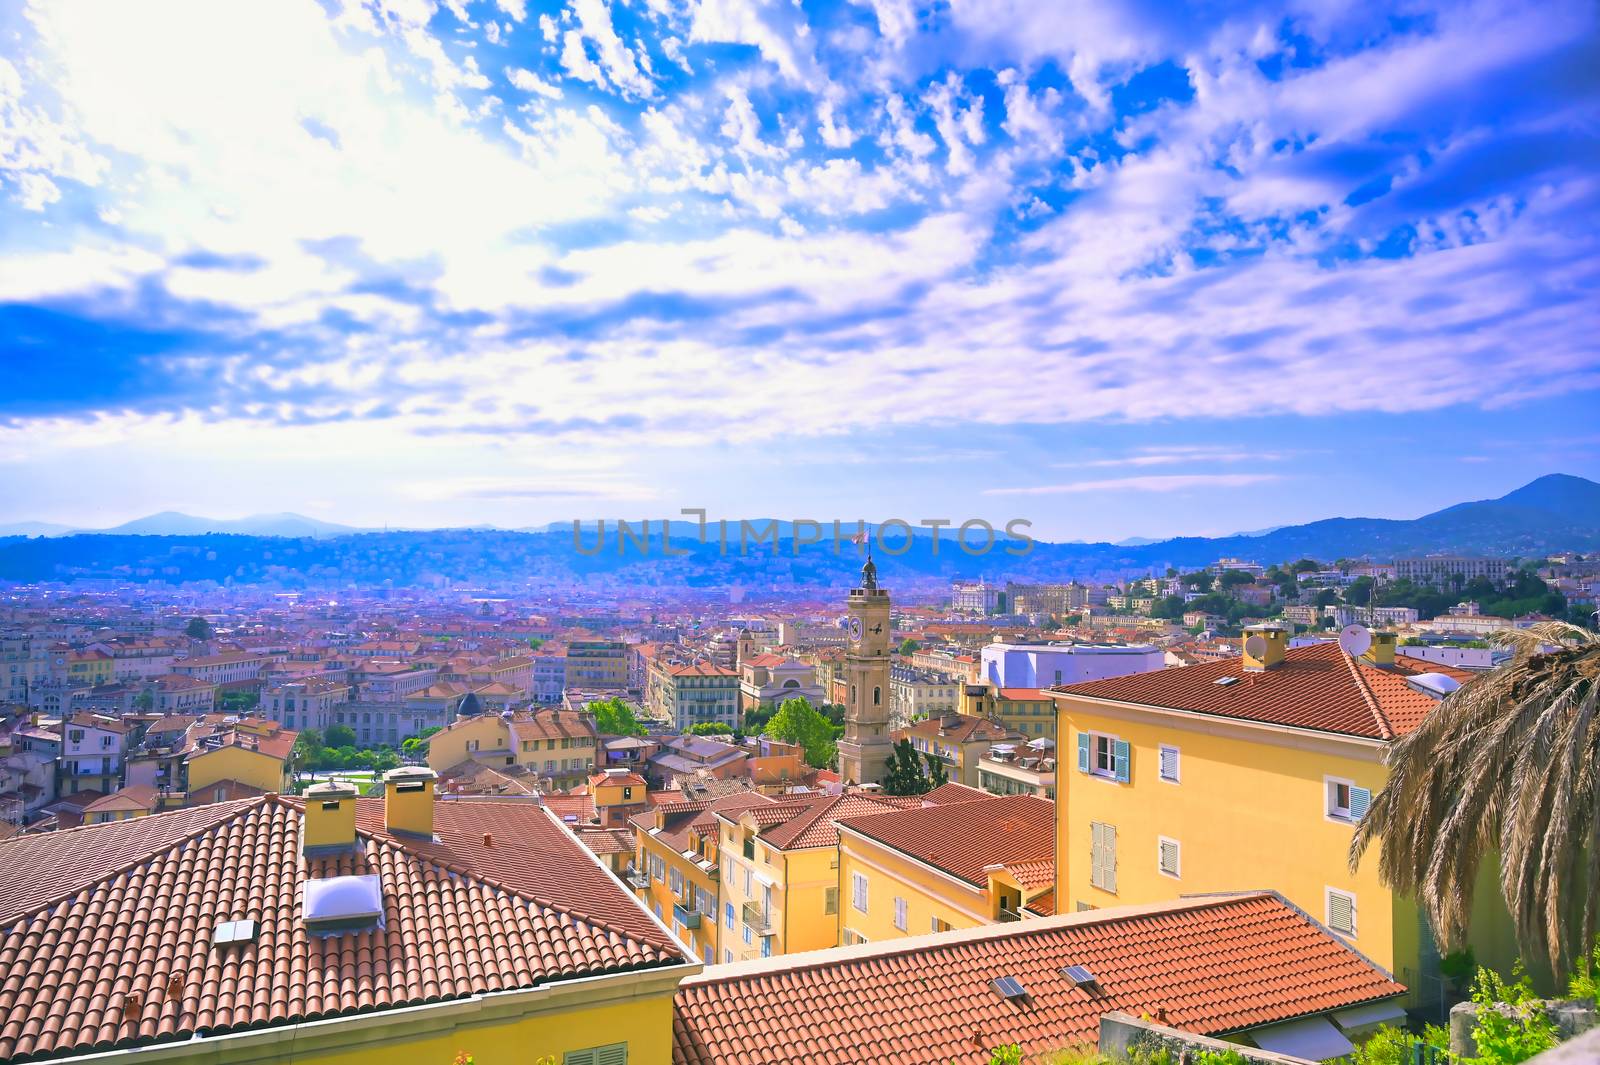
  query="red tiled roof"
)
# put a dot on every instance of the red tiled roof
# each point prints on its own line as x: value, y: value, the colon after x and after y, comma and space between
x: 812, y: 825
x: 93, y: 916
x: 700, y: 815
x: 968, y: 729
x: 951, y: 791
x: 1215, y: 965
x: 965, y: 838
x: 1314, y: 687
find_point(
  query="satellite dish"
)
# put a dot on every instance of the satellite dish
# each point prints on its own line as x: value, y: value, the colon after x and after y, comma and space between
x: 1256, y: 646
x: 1355, y: 640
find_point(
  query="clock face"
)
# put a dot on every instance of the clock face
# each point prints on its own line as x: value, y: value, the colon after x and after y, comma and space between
x: 855, y: 629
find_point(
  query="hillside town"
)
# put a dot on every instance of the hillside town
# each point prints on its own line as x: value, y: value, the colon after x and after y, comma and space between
x: 853, y: 795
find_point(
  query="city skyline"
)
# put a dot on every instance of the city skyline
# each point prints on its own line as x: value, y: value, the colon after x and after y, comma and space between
x: 1120, y: 272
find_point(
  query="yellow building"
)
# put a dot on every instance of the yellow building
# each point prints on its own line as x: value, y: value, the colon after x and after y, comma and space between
x: 252, y: 752
x: 90, y: 667
x: 618, y: 794
x: 1028, y: 712
x: 334, y: 931
x: 934, y: 868
x: 780, y: 874
x: 124, y: 804
x: 957, y: 740
x: 554, y: 744
x: 1251, y: 771
x: 677, y: 870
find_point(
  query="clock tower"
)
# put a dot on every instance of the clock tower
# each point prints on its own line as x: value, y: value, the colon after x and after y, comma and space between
x: 866, y: 746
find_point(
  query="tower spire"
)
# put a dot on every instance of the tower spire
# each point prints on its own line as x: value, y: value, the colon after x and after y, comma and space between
x: 869, y: 572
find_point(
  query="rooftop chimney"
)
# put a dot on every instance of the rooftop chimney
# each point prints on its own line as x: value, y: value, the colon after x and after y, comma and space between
x: 1264, y: 646
x: 408, y: 800
x: 1381, y: 653
x: 330, y: 820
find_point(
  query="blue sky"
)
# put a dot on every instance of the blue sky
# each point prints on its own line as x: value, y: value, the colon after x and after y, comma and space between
x: 1117, y: 268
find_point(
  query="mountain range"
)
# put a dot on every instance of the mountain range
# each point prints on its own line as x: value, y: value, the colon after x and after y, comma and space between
x: 1553, y: 513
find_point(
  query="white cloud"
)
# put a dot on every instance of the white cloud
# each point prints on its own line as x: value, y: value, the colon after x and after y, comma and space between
x: 528, y: 81
x: 1157, y: 483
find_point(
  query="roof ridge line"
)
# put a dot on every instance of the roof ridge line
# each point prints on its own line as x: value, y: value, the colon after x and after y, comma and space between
x: 1385, y: 729
x: 245, y: 805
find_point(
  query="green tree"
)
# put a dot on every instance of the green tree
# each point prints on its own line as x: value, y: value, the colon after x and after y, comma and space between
x: 1505, y: 766
x: 1306, y: 565
x: 417, y: 746
x: 910, y: 773
x: 339, y: 736
x: 1233, y: 578
x: 711, y: 728
x: 615, y: 717
x: 1200, y: 580
x: 198, y: 629
x: 145, y: 701
x: 797, y: 721
x: 909, y: 647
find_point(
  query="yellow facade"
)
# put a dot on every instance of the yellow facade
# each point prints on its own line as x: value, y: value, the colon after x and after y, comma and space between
x: 902, y: 896
x: 661, y: 869
x: 255, y: 768
x: 783, y: 901
x: 1249, y: 808
x: 91, y: 669
x: 484, y: 738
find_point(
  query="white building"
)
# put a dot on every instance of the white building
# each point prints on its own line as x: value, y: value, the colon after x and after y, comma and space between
x: 1028, y: 665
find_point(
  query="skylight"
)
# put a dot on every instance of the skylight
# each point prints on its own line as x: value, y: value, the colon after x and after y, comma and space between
x: 1080, y: 976
x: 1223, y: 682
x: 230, y: 932
x: 1009, y: 987
x: 343, y: 903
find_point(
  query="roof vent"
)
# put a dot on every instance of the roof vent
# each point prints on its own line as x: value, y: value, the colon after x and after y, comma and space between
x: 1223, y: 682
x: 343, y: 904
x: 1009, y: 988
x: 1080, y: 976
x: 229, y: 932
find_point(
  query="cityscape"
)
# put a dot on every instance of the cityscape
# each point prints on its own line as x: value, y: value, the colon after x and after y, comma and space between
x: 828, y: 532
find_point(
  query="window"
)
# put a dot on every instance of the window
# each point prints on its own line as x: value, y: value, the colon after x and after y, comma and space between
x: 766, y: 946
x: 1345, y: 801
x: 939, y: 925
x: 1104, y: 756
x: 830, y: 900
x: 710, y: 955
x: 747, y: 936
x: 611, y: 1054
x: 627, y: 793
x: 900, y: 914
x: 858, y: 891
x: 727, y: 954
x: 1342, y: 912
x: 1103, y: 856
x: 1169, y: 763
x: 727, y: 915
x: 1167, y: 856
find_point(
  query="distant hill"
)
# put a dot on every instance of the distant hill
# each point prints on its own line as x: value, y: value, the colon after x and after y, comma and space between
x: 1553, y: 513
x: 174, y: 523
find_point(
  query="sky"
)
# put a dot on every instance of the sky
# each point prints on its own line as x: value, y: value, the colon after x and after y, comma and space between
x: 1117, y: 269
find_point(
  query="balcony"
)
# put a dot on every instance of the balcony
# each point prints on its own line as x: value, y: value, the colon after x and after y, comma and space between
x: 1009, y: 915
x: 686, y: 916
x: 759, y: 920
x: 638, y: 880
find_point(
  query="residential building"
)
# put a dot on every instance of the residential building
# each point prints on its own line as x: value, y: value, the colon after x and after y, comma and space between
x: 1250, y: 967
x: 618, y: 794
x: 400, y: 927
x: 92, y: 750
x: 1446, y: 571
x: 780, y: 874
x: 1029, y: 712
x: 233, y: 671
x: 956, y: 865
x: 1253, y: 770
x: 597, y: 664
x: 549, y: 677
x: 305, y: 704
x: 697, y: 694
x: 695, y: 757
x: 916, y: 693
x: 243, y: 751
x: 1025, y: 769
x: 124, y: 804
x: 677, y: 872
x: 555, y: 745
x: 957, y: 740
x: 176, y: 693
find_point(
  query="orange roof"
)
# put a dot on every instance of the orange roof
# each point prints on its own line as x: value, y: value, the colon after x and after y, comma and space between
x: 627, y: 779
x: 951, y: 791
x: 701, y: 669
x: 91, y: 917
x: 132, y: 797
x: 697, y: 815
x: 965, y: 838
x: 1315, y: 687
x: 963, y: 728
x: 805, y: 823
x: 1024, y: 695
x: 1215, y: 964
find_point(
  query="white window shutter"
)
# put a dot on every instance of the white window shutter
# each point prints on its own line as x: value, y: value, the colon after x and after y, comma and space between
x: 1342, y: 912
x: 1169, y: 763
x: 1169, y: 857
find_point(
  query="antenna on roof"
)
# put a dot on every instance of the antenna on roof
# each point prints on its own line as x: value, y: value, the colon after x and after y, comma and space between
x: 1355, y: 640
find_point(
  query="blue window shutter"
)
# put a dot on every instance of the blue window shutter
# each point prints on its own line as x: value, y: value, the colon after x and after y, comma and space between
x: 1123, y: 760
x: 1083, y: 752
x: 1360, y: 799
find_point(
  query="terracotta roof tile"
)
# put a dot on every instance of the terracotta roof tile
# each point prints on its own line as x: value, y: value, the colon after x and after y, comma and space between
x: 966, y: 838
x: 1215, y: 965
x: 92, y: 917
x: 1315, y: 687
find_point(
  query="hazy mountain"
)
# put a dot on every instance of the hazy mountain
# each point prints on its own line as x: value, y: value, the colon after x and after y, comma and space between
x: 35, y: 528
x: 1552, y: 513
x: 174, y: 523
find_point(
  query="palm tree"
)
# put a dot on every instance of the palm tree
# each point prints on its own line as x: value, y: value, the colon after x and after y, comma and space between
x: 1508, y: 764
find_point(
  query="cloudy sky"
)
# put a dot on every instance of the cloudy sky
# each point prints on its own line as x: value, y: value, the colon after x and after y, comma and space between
x: 1118, y: 268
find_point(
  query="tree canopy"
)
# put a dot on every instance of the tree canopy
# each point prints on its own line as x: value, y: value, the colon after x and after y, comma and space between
x: 911, y: 773
x: 198, y: 629
x: 797, y: 721
x: 615, y: 717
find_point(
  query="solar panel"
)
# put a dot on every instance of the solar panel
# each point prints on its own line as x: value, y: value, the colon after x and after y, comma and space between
x: 1079, y: 975
x: 228, y: 932
x: 1009, y: 987
x: 1225, y: 681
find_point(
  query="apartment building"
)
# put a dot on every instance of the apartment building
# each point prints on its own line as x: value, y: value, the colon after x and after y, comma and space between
x: 597, y: 664
x: 554, y: 745
x: 305, y: 704
x: 958, y: 741
x: 1019, y: 769
x: 1452, y: 570
x: 917, y: 693
x: 697, y: 694
x: 92, y: 750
